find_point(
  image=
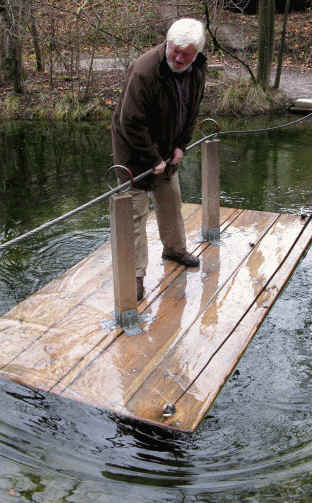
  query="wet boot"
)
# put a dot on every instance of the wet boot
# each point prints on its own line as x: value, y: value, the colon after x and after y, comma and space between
x: 184, y: 258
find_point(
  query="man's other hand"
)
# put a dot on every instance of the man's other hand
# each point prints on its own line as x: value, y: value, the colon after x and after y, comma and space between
x: 177, y: 156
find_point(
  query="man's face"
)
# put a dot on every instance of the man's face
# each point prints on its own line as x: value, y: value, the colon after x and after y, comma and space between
x: 180, y: 58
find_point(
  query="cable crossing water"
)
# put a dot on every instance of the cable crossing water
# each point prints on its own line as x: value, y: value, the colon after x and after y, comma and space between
x: 129, y: 183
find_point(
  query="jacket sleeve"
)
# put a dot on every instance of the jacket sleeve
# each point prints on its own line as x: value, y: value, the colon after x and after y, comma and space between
x: 135, y: 109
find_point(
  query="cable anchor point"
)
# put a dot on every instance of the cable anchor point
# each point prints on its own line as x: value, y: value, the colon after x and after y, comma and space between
x: 201, y: 126
x: 169, y: 410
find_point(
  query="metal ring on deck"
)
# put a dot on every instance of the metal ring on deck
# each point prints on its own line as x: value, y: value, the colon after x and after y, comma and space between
x: 209, y: 120
x: 128, y: 170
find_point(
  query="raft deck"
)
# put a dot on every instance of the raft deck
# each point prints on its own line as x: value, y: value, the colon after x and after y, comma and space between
x: 196, y: 322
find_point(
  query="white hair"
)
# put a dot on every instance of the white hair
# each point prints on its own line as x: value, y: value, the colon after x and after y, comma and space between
x: 187, y: 31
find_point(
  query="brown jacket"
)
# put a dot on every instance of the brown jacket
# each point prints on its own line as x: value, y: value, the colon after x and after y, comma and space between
x: 144, y: 129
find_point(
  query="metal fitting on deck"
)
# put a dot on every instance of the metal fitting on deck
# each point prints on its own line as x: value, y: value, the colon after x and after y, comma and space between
x: 169, y: 410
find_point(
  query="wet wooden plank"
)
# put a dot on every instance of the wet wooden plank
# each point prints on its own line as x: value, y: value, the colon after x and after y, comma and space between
x: 158, y: 269
x: 197, y: 322
x: 223, y: 363
x: 70, y: 334
x: 56, y: 349
x: 89, y: 283
x: 178, y: 374
x: 58, y: 297
x: 15, y: 337
x: 127, y: 364
x: 155, y: 287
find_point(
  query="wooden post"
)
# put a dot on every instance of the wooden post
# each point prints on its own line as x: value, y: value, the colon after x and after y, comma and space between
x: 210, y: 190
x: 123, y: 260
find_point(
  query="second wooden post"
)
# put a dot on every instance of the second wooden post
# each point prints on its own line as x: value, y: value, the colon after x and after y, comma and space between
x: 210, y: 165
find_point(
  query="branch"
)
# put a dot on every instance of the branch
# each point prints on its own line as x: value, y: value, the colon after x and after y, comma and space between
x: 217, y: 45
x: 84, y: 17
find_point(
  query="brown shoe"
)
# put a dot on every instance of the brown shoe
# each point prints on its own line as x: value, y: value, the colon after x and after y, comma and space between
x: 184, y: 258
x: 140, y: 288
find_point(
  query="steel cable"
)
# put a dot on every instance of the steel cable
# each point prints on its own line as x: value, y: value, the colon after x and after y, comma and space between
x: 129, y: 183
x: 73, y: 212
x: 264, y: 130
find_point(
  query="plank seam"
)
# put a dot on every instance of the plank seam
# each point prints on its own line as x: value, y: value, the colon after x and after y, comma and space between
x: 246, y: 312
x: 255, y: 329
x: 175, y: 272
x: 81, y: 302
x: 277, y: 216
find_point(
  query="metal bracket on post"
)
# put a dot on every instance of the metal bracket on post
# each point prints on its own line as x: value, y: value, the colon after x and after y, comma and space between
x: 210, y: 190
x: 123, y: 260
x: 128, y: 320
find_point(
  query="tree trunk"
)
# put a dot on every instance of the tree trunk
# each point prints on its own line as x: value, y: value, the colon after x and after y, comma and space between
x: 14, y: 65
x: 3, y: 43
x: 34, y: 33
x: 14, y: 14
x: 281, y: 48
x: 266, y: 41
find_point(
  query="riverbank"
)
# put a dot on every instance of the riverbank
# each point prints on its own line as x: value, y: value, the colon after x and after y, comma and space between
x: 228, y: 90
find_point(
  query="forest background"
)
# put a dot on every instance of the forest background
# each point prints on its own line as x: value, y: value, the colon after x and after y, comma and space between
x: 67, y: 59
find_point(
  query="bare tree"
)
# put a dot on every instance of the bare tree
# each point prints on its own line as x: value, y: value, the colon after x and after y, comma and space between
x: 3, y: 38
x: 266, y: 41
x: 281, y: 47
x: 36, y: 41
x: 14, y: 13
x: 218, y: 45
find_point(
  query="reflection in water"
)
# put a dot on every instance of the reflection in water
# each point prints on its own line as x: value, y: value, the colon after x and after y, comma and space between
x: 255, y: 445
x: 47, y: 170
x: 265, y: 171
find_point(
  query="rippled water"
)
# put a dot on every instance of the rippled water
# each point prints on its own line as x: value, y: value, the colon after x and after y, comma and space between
x: 255, y: 444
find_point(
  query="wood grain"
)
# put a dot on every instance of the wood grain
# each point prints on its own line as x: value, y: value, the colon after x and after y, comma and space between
x: 178, y: 373
x: 126, y: 365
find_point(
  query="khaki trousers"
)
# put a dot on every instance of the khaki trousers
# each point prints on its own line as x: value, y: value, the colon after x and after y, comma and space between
x: 166, y: 197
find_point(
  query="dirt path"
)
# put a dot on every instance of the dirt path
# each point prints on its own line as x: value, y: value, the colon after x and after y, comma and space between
x: 296, y: 83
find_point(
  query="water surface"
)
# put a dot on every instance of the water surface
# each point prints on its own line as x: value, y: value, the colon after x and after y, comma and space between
x: 255, y: 444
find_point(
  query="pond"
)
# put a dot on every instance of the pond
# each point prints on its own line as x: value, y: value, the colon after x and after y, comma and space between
x: 255, y: 444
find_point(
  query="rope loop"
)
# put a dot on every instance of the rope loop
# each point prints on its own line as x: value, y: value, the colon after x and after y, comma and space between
x: 201, y: 125
x: 125, y: 168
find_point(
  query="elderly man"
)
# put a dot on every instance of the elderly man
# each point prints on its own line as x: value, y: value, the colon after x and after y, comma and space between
x: 152, y: 125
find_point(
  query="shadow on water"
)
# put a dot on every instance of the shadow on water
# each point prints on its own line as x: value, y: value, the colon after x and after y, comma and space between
x: 255, y: 445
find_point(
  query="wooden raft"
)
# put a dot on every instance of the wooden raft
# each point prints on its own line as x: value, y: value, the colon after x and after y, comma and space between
x: 196, y: 322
